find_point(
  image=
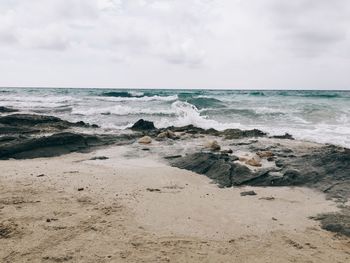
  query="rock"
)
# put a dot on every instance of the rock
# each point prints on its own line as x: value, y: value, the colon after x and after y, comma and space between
x: 248, y: 193
x: 6, y: 110
x: 265, y: 154
x: 243, y: 159
x: 31, y: 123
x: 220, y: 168
x: 99, y: 158
x: 336, y: 222
x: 253, y: 162
x: 145, y: 140
x: 285, y: 136
x: 237, y: 134
x: 153, y: 190
x: 54, y: 145
x: 268, y: 198
x: 81, y: 189
x: 213, y: 146
x: 172, y: 157
x: 142, y: 125
x: 167, y: 134
x: 229, y: 151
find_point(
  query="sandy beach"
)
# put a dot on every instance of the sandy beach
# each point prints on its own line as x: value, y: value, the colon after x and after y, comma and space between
x: 122, y: 209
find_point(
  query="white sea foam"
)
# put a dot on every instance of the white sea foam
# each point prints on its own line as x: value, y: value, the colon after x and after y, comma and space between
x: 140, y: 99
x: 120, y: 110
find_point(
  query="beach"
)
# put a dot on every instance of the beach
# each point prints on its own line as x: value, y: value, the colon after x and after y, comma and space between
x: 75, y: 191
x: 73, y: 209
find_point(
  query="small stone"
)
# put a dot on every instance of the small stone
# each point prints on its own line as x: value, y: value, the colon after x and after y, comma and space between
x: 229, y: 151
x: 265, y: 154
x: 145, y: 140
x: 40, y: 175
x: 167, y: 134
x: 48, y: 220
x: 80, y: 189
x: 274, y: 219
x: 153, y: 190
x: 242, y: 159
x: 248, y: 193
x: 254, y: 162
x: 213, y: 145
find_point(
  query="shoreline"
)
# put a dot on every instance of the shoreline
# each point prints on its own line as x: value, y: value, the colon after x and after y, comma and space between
x: 119, y: 216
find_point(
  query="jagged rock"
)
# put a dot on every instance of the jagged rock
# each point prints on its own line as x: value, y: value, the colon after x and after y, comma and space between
x: 48, y: 146
x: 212, y: 145
x: 326, y: 168
x: 145, y: 140
x: 31, y: 123
x: 142, y: 125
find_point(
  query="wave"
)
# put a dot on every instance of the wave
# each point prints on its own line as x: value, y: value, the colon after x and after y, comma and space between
x: 140, y: 99
x: 256, y: 93
x: 205, y: 102
x: 123, y: 94
x: 188, y: 114
x: 121, y: 110
x: 314, y: 94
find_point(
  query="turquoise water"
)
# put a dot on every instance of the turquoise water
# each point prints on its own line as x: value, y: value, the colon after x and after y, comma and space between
x: 322, y: 116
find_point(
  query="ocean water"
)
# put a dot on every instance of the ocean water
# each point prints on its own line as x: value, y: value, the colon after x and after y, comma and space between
x: 320, y: 116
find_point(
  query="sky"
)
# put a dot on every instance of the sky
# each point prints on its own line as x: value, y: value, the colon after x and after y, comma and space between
x: 223, y: 44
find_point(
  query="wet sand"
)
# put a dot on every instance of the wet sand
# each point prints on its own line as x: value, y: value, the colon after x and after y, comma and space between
x: 139, y: 209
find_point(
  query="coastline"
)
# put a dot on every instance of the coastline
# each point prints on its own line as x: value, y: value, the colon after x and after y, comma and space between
x: 241, y: 195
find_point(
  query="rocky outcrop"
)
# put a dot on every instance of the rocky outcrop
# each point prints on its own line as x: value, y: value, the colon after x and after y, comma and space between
x: 29, y: 136
x: 30, y: 123
x: 142, y: 125
x: 326, y: 168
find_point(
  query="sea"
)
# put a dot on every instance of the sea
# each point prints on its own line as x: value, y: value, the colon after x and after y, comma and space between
x: 317, y: 116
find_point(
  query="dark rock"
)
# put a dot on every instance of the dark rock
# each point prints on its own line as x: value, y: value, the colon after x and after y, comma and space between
x: 81, y: 189
x: 54, y: 145
x: 142, y: 125
x: 285, y: 136
x: 237, y: 133
x: 172, y: 157
x: 7, y: 110
x: 153, y: 190
x: 219, y: 167
x: 336, y: 222
x: 326, y: 168
x: 31, y: 123
x: 99, y: 158
x: 248, y: 193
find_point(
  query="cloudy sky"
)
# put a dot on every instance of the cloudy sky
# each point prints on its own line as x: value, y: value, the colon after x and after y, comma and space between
x: 299, y: 44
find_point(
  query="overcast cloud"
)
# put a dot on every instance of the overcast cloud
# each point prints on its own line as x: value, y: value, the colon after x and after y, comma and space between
x: 299, y: 44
